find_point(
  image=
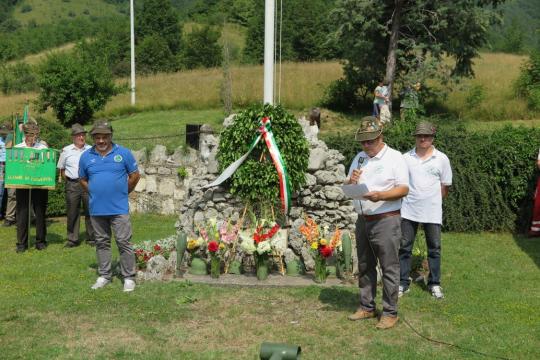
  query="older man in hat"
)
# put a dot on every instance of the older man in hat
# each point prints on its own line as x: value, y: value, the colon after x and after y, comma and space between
x: 39, y: 197
x: 68, y: 163
x: 430, y: 175
x: 109, y: 173
x: 378, y: 227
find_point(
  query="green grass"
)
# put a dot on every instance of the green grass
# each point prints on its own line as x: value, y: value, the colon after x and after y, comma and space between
x: 148, y: 129
x: 48, y: 311
x: 51, y: 11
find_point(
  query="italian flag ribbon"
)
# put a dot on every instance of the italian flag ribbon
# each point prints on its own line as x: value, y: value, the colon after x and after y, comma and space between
x: 265, y: 131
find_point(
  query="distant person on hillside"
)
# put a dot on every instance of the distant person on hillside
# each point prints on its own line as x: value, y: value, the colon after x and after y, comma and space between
x: 68, y: 164
x: 109, y: 172
x: 381, y: 98
x: 535, y: 223
x: 430, y: 176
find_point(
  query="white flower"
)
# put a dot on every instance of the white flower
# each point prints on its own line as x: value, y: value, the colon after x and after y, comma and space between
x: 263, y: 246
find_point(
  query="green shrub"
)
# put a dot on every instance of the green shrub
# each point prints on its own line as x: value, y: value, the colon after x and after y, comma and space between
x: 17, y: 78
x: 528, y: 83
x: 494, y: 173
x: 475, y: 95
x: 256, y: 181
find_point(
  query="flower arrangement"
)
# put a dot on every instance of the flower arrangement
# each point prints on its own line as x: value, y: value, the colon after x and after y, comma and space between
x: 148, y: 249
x: 260, y: 245
x: 321, y: 248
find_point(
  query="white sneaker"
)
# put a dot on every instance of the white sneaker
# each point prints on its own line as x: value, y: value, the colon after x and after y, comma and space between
x: 436, y: 292
x: 129, y: 285
x: 402, y: 291
x: 101, y: 282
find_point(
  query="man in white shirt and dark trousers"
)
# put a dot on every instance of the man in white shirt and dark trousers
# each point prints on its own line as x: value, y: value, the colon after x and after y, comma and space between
x: 39, y: 197
x: 378, y: 228
x: 430, y: 175
x: 68, y: 164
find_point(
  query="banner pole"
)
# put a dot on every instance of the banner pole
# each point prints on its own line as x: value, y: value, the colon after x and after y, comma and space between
x: 29, y: 215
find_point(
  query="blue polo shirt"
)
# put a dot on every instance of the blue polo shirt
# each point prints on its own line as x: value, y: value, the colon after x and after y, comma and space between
x: 107, y: 179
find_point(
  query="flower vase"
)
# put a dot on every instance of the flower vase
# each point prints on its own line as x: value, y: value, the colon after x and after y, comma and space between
x: 320, y: 270
x: 198, y: 266
x: 262, y: 266
x: 215, y: 267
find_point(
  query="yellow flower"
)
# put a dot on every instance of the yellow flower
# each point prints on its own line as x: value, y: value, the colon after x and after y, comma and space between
x: 314, y: 245
x: 192, y: 244
x: 324, y: 242
x: 221, y: 246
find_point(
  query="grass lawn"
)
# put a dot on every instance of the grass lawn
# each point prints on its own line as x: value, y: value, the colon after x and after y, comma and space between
x: 47, y: 309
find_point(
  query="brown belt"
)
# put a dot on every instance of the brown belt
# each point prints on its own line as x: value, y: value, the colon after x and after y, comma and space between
x: 381, y: 216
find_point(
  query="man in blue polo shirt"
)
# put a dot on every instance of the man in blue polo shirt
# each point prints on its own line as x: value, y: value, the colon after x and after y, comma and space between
x: 109, y: 173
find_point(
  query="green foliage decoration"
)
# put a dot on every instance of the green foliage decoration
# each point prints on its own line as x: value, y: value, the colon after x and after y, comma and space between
x: 493, y: 173
x: 256, y: 181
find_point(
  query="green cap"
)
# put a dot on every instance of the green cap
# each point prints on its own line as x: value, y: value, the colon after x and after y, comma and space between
x: 101, y: 127
x: 77, y: 129
x: 425, y: 128
x: 369, y: 129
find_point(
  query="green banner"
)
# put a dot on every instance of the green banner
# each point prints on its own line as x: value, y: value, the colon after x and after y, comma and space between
x: 30, y: 168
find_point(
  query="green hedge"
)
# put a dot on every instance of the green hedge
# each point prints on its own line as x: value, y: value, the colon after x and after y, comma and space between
x: 494, y: 173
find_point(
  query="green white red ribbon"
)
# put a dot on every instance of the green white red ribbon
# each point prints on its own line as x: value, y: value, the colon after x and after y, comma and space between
x: 284, y: 182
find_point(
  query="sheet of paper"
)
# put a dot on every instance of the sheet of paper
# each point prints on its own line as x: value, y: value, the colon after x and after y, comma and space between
x: 355, y: 191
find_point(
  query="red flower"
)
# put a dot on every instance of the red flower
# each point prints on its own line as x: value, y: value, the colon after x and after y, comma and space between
x: 157, y: 247
x: 213, y: 246
x: 326, y: 251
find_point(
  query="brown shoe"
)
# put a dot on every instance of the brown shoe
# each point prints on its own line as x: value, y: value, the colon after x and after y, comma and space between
x: 387, y: 322
x: 362, y: 314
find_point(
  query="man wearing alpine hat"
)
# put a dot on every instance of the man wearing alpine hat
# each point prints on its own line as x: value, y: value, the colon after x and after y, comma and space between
x: 378, y: 227
x: 430, y: 175
x: 109, y: 173
x: 68, y: 163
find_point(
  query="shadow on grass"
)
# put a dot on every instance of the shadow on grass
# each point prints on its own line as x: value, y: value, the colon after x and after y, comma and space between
x: 115, y: 268
x: 530, y: 246
x: 339, y: 299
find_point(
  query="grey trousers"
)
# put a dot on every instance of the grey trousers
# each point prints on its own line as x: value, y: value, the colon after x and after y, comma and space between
x: 74, y: 196
x: 380, y: 240
x: 121, y: 227
x: 11, y: 205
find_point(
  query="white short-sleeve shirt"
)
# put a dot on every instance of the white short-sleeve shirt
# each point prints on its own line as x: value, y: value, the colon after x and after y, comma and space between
x: 382, y: 172
x: 69, y: 160
x: 423, y: 204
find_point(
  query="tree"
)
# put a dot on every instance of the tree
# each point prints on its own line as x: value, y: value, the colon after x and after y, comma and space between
x: 74, y: 87
x: 157, y: 17
x: 393, y: 37
x: 202, y: 48
x: 153, y: 55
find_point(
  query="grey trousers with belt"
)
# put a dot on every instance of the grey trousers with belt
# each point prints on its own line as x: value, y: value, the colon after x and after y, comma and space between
x: 75, y: 195
x: 378, y: 240
x: 121, y: 227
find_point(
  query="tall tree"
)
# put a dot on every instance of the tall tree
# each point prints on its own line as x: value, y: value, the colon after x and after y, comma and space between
x: 157, y: 17
x: 394, y: 37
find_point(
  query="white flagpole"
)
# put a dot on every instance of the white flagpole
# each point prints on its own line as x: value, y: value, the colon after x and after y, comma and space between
x: 132, y: 30
x: 269, y: 52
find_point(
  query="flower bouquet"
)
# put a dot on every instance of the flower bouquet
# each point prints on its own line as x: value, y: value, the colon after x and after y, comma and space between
x: 216, y: 249
x: 148, y: 249
x: 260, y: 246
x: 320, y: 247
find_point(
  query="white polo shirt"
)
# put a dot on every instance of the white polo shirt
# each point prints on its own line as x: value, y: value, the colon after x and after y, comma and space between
x: 382, y: 172
x: 423, y: 204
x: 69, y: 160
